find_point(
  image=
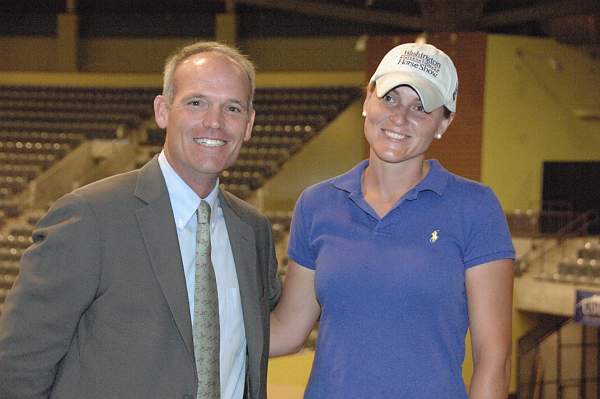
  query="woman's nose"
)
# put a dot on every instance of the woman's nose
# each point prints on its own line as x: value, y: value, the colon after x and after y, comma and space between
x: 398, y: 115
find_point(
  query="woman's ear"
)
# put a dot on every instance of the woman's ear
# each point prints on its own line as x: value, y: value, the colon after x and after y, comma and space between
x: 444, y: 124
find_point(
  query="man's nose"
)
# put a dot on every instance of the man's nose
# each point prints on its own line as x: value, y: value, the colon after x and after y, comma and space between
x: 213, y: 118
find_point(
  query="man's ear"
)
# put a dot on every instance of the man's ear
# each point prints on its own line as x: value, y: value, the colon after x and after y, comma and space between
x: 249, y: 125
x: 161, y: 111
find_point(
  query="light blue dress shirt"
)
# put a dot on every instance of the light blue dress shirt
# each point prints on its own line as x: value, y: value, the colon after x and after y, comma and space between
x: 184, y: 202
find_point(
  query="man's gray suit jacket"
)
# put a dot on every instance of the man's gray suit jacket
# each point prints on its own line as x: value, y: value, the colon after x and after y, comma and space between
x: 100, y: 307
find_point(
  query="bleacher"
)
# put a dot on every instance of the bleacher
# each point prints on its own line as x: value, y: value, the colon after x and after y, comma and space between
x: 39, y: 126
x: 285, y: 120
x: 584, y: 268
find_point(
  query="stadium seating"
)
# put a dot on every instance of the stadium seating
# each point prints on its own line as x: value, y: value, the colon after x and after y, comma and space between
x: 286, y: 118
x: 40, y: 125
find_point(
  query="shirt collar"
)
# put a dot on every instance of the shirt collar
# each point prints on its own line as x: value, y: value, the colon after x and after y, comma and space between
x: 184, y: 200
x: 436, y: 180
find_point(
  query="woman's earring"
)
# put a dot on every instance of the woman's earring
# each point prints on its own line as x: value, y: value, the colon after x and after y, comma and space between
x: 438, y: 136
x: 364, y: 113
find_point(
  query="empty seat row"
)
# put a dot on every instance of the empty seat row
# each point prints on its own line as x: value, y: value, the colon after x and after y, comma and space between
x: 9, y: 267
x: 7, y: 280
x: 296, y: 108
x: 28, y: 159
x: 279, y: 155
x: 290, y: 143
x: 303, y: 131
x: 292, y: 119
x: 23, y: 230
x: 96, y: 94
x: 34, y: 147
x: 142, y: 109
x: 12, y: 185
x: 321, y: 94
x: 251, y: 179
x: 43, y: 137
x: 90, y: 129
x: 70, y: 116
x: 15, y: 241
x: 26, y: 171
x: 589, y: 251
x: 9, y: 207
x: 10, y: 254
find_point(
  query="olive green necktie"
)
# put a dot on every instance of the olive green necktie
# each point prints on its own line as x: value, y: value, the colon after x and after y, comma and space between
x: 206, y: 312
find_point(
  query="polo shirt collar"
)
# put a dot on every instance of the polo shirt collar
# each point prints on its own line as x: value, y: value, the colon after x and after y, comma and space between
x: 436, y: 180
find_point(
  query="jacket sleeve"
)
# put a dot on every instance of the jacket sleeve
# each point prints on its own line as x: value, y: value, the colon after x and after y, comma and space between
x: 58, y: 280
x: 273, y: 279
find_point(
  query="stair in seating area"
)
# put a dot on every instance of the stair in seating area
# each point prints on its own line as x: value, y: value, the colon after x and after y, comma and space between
x: 553, y: 289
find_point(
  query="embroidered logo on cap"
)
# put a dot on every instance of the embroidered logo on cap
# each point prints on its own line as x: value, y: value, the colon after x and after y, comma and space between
x: 420, y: 61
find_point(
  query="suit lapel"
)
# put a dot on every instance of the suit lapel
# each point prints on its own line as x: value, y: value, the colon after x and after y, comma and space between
x: 156, y: 222
x: 243, y: 246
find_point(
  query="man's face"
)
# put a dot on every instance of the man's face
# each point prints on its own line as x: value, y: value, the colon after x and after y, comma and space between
x: 208, y: 119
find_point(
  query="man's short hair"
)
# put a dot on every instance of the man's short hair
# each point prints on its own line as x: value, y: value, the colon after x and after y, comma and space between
x: 203, y: 47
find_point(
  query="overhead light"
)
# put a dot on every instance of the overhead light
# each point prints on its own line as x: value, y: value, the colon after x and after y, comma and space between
x: 422, y: 38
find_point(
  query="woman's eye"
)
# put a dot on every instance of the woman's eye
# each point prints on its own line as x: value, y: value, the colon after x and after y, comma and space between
x: 420, y: 108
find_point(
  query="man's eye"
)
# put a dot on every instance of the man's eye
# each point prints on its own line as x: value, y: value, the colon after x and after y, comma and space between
x: 196, y: 103
x: 233, y: 108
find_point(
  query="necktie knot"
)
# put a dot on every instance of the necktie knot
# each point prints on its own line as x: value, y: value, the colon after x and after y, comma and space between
x: 203, y: 212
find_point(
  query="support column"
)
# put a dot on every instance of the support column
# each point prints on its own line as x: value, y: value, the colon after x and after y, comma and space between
x: 67, y: 42
x: 226, y: 28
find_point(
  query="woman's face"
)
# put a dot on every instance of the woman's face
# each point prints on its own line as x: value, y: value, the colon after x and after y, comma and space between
x: 397, y: 127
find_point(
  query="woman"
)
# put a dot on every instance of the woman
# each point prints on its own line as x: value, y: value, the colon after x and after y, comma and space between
x: 399, y: 257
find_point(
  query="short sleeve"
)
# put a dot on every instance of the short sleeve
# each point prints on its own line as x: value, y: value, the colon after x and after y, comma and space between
x: 487, y: 237
x: 299, y: 248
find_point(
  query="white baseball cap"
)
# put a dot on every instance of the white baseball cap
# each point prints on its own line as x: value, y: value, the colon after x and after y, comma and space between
x: 425, y: 68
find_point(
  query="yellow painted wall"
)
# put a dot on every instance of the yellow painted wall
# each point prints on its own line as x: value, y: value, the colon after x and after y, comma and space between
x: 27, y: 54
x: 533, y: 87
x: 139, y: 55
x: 334, y: 151
x: 147, y: 55
x: 305, y: 54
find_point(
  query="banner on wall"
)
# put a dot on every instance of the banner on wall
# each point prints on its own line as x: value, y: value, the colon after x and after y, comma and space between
x: 587, y: 308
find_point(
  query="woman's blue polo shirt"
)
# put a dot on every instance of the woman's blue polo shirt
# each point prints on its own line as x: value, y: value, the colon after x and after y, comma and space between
x: 392, y: 289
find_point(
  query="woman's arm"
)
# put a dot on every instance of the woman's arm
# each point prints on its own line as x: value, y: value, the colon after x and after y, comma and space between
x: 296, y: 313
x: 489, y: 294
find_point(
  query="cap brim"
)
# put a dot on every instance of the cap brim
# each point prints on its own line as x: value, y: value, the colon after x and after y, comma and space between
x: 430, y: 96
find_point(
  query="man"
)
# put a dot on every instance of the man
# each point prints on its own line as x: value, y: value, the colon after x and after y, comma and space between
x: 104, y: 306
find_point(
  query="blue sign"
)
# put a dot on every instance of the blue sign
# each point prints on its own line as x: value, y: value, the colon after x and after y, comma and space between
x: 587, y: 308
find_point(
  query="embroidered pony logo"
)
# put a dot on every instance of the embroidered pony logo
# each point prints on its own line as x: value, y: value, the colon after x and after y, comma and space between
x: 434, y: 236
